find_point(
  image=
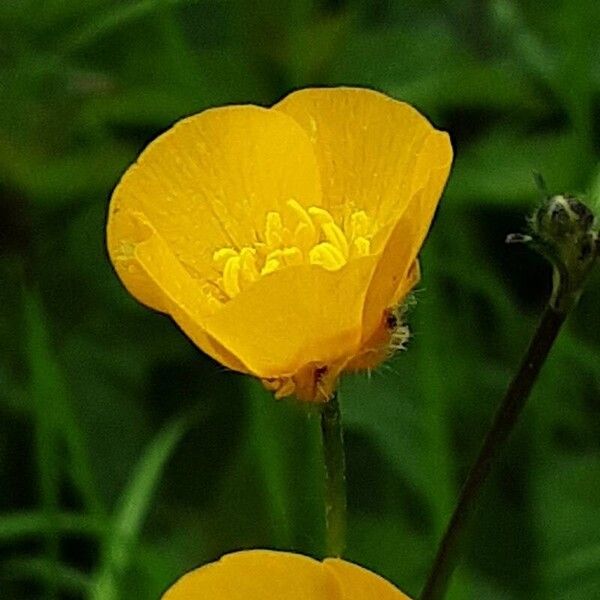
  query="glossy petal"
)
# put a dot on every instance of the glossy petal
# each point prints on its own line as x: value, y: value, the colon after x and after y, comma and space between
x: 208, y: 182
x: 367, y: 146
x: 155, y: 271
x: 218, y: 220
x: 270, y: 575
x: 295, y: 316
x: 391, y: 280
x: 256, y: 575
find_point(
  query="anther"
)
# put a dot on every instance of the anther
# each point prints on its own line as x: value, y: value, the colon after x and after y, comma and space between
x: 231, y: 276
x: 359, y: 224
x: 335, y: 236
x: 361, y: 246
x: 327, y: 256
x: 308, y: 235
x: 222, y: 255
x: 274, y: 230
x: 248, y: 269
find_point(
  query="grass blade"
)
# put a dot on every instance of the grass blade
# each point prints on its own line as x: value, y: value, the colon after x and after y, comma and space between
x: 132, y: 509
x: 18, y: 526
x: 113, y: 18
x: 59, y: 576
x: 56, y: 421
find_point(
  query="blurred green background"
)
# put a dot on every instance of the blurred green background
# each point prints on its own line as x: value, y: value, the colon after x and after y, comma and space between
x: 128, y: 457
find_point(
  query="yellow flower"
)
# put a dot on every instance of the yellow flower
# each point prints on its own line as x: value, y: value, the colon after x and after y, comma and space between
x: 281, y: 239
x: 269, y: 575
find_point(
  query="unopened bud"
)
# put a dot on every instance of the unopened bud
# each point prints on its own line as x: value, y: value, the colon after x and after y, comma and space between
x: 564, y: 230
x: 563, y: 217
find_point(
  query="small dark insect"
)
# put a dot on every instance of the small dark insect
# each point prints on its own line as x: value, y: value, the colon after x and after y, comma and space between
x: 391, y: 319
x: 320, y: 373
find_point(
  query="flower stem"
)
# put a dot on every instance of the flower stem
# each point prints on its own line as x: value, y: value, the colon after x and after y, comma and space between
x: 335, y: 476
x: 563, y: 229
x: 502, y: 425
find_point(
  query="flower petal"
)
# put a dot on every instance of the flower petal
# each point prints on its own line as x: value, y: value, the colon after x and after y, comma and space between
x: 393, y: 278
x: 356, y: 583
x: 152, y: 271
x: 367, y: 146
x: 295, y: 316
x: 257, y: 575
x: 209, y: 181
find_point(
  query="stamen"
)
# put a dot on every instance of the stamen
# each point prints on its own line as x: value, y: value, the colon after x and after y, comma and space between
x: 214, y: 294
x: 361, y: 246
x: 282, y: 387
x: 306, y: 237
x: 222, y: 255
x: 327, y: 256
x: 300, y: 213
x: 305, y: 233
x: 309, y: 235
x: 248, y: 269
x: 320, y: 215
x: 359, y: 224
x: 272, y: 262
x: 271, y: 265
x: 274, y: 230
x: 286, y: 388
x: 231, y: 276
x: 336, y: 237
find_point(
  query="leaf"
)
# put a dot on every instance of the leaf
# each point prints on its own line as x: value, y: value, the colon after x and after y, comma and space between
x: 113, y: 18
x: 55, y: 419
x: 59, y: 575
x: 17, y: 526
x: 132, y: 510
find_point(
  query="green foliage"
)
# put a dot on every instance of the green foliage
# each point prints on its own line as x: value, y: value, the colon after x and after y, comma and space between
x: 120, y: 540
x: 101, y: 494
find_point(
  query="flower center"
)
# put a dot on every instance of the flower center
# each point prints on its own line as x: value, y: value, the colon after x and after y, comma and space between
x: 300, y: 236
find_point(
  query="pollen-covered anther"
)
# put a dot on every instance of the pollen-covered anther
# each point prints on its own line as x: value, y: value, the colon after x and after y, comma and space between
x: 248, y: 269
x: 327, y: 256
x: 298, y: 236
x: 274, y: 230
x: 361, y: 246
x: 231, y: 276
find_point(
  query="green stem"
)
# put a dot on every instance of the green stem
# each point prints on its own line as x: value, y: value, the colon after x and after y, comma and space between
x: 502, y: 425
x: 562, y: 229
x: 335, y: 477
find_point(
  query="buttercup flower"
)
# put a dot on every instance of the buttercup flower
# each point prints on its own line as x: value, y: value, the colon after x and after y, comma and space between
x: 281, y: 240
x: 268, y: 575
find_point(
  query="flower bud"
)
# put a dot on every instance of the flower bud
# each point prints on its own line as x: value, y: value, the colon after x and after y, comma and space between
x: 563, y: 216
x: 565, y: 232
